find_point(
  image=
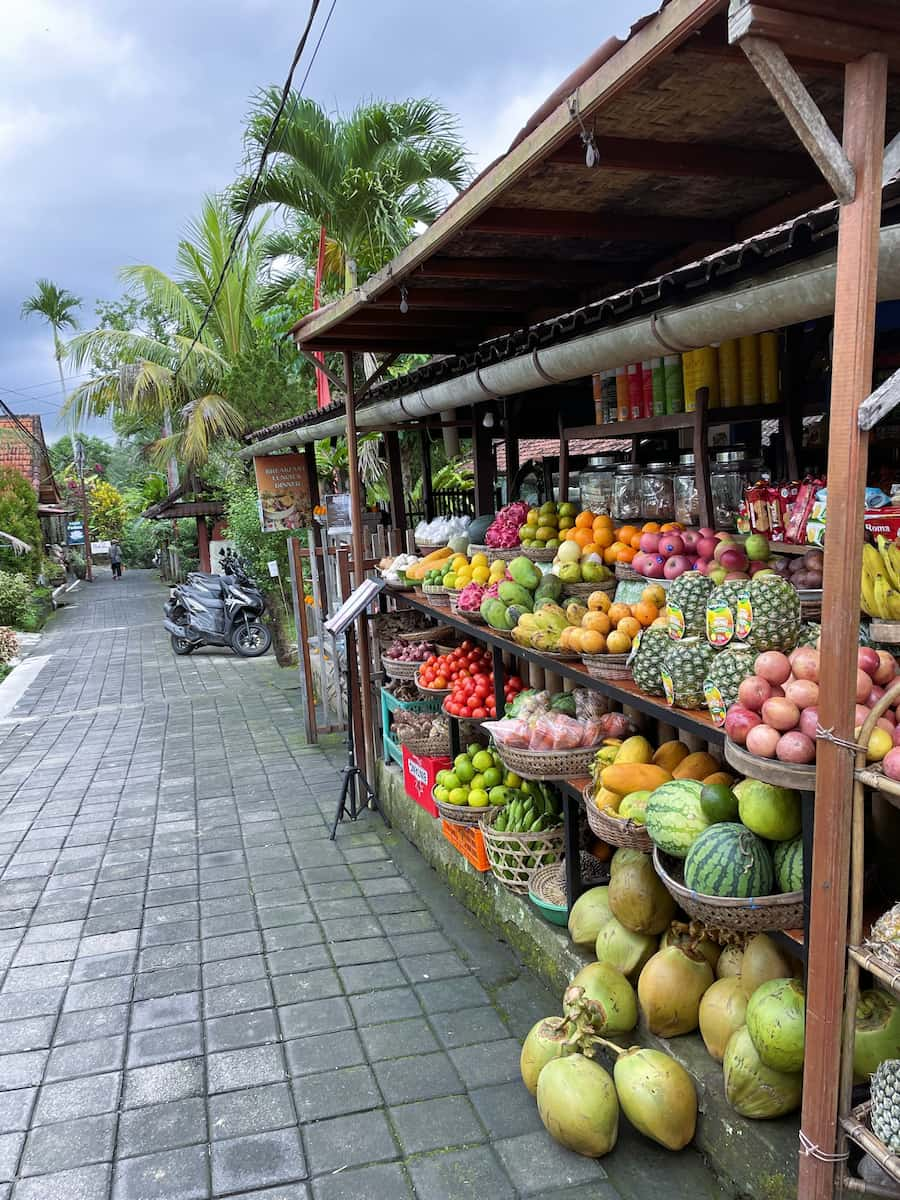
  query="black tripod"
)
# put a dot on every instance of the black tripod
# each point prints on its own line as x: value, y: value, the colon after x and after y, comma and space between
x: 352, y: 771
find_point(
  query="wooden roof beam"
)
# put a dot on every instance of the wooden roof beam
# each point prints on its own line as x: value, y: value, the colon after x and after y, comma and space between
x: 602, y: 226
x: 816, y: 37
x: 686, y: 159
x: 467, y: 301
x: 524, y: 270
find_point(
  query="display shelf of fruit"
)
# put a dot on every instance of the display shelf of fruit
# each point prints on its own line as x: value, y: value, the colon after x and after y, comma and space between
x: 472, y: 696
x: 440, y: 672
x: 880, y: 588
x: 477, y: 782
x: 541, y: 532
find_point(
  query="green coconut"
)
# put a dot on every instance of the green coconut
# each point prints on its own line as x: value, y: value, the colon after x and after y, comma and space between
x: 624, y: 950
x: 762, y: 961
x: 675, y: 936
x: 657, y: 1096
x: 637, y: 897
x: 877, y: 1032
x: 546, y: 1040
x: 589, y: 913
x: 753, y: 1089
x: 723, y: 1011
x: 577, y: 1102
x: 612, y: 996
x: 776, y: 1019
x: 730, y: 962
x: 670, y: 989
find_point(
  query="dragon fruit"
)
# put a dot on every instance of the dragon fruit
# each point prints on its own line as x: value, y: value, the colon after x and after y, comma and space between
x: 503, y: 533
x: 470, y: 598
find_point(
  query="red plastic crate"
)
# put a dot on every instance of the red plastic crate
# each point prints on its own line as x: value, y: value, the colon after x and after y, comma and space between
x: 468, y: 841
x: 419, y: 774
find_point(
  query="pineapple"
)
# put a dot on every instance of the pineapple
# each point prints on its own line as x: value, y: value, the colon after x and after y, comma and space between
x: 884, y: 939
x: 648, y: 660
x: 729, y: 667
x: 685, y: 667
x: 721, y: 602
x: 809, y: 634
x: 687, y: 604
x: 775, y: 614
x: 886, y: 1104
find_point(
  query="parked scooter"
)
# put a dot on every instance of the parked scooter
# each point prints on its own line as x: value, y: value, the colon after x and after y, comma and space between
x: 222, y: 610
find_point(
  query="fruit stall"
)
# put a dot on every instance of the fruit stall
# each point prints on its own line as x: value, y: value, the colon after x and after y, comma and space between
x: 645, y: 721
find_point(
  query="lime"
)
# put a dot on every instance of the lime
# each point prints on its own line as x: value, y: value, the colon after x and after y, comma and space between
x: 465, y: 772
x: 478, y: 798
x: 512, y: 780
x: 451, y: 780
x: 441, y: 777
x: 458, y: 796
x: 719, y: 803
x: 441, y: 793
x: 483, y: 760
x: 492, y: 776
x: 477, y: 781
x: 498, y: 795
x: 472, y: 749
x: 527, y: 788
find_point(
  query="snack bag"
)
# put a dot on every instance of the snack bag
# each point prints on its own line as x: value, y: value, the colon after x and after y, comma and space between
x: 556, y: 731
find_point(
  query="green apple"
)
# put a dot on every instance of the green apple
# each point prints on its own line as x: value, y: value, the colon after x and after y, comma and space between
x: 482, y: 761
x: 594, y: 572
x: 478, y: 798
x: 570, y: 572
x: 441, y: 793
x: 458, y: 796
x: 493, y: 776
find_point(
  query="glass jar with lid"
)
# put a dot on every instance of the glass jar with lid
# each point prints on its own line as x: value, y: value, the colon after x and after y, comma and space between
x: 731, y: 472
x: 657, y: 492
x: 687, y: 498
x: 627, y: 496
x: 596, y: 485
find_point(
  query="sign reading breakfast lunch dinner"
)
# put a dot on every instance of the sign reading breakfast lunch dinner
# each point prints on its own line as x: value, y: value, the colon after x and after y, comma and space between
x: 283, y: 491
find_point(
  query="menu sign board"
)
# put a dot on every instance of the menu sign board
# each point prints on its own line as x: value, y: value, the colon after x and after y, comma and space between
x: 283, y: 491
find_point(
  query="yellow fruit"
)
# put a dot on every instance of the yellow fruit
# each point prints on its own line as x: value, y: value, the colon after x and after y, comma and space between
x: 481, y: 574
x: 480, y: 560
x: 618, y: 643
x: 696, y: 766
x: 670, y: 754
x: 497, y: 565
x: 598, y: 621
x: 571, y: 638
x: 605, y: 799
x: 630, y: 626
x: 654, y: 594
x: 599, y: 602
x: 458, y: 560
x: 635, y: 749
x: 634, y: 777
x: 718, y: 777
x: 590, y: 642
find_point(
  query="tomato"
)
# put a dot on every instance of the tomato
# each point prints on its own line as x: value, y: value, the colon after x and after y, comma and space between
x: 479, y: 713
x: 440, y: 682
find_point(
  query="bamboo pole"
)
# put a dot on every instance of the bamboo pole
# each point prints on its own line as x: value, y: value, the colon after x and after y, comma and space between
x: 854, y: 338
x: 357, y: 507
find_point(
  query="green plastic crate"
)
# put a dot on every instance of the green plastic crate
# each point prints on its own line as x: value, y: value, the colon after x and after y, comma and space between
x: 393, y: 750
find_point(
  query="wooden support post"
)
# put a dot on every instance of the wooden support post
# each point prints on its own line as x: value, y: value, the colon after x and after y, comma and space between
x: 854, y: 338
x: 700, y: 447
x: 299, y: 597
x: 203, y: 544
x: 427, y: 486
x: 563, y: 463
x: 483, y: 456
x: 357, y: 508
x: 395, y: 480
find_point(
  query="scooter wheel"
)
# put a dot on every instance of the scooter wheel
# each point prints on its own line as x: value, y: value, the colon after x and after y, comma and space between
x: 181, y: 645
x: 251, y: 640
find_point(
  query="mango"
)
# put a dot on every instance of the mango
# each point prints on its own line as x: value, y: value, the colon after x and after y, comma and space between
x: 514, y: 593
x: 524, y: 572
x: 574, y: 612
x: 550, y: 585
x: 670, y: 754
x: 635, y: 750
x: 633, y: 777
x: 551, y: 616
x: 494, y: 612
x: 546, y: 640
x: 696, y: 766
x: 604, y: 799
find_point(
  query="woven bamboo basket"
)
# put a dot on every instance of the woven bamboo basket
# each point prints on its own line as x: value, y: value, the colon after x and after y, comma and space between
x: 461, y: 814
x: 547, y: 765
x: 438, y: 596
x: 811, y: 605
x: 514, y: 857
x: 467, y: 615
x: 433, y: 693
x: 615, y: 832
x: 492, y: 552
x: 562, y: 655
x: 607, y: 666
x: 580, y: 591
x: 755, y: 914
x: 428, y: 747
x: 539, y: 555
x: 395, y: 669
x: 426, y: 548
x: 624, y: 571
x: 549, y: 883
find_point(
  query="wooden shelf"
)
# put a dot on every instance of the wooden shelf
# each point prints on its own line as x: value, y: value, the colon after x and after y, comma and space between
x: 671, y: 421
x: 855, y: 1126
x: 885, y: 972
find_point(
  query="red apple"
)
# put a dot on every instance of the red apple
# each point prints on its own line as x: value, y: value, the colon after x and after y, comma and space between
x: 867, y: 660
x: 860, y: 714
x: 887, y: 668
x: 897, y: 735
x: 732, y: 557
x: 702, y: 565
x: 863, y: 685
x: 650, y: 543
x: 675, y: 566
x: 690, y: 537
x: 670, y: 545
x: 654, y: 566
x: 795, y: 747
x: 738, y: 723
x: 706, y: 546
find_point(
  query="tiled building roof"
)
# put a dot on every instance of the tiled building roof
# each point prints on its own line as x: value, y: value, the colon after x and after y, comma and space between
x: 19, y: 451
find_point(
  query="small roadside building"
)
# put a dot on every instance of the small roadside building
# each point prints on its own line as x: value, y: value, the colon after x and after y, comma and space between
x: 22, y: 448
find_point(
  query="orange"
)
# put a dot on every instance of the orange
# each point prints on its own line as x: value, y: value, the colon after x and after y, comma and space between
x: 584, y: 520
x: 625, y: 554
x: 635, y: 542
x: 654, y: 594
x: 651, y: 527
x: 599, y: 602
x: 592, y: 642
x: 582, y: 536
x: 569, y: 535
x: 618, y: 643
x: 603, y: 522
x: 646, y: 612
x: 629, y: 625
x: 627, y: 532
x: 609, y: 554
x: 618, y: 611
x: 599, y: 622
x: 590, y: 548
x: 671, y: 527
x: 603, y: 538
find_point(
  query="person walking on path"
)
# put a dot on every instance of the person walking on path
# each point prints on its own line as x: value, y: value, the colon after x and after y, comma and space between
x: 115, y: 559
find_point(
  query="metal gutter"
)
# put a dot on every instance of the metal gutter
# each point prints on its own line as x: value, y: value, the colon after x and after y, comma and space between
x: 795, y: 294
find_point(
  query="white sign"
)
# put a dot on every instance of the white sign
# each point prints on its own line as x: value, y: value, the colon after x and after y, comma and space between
x: 273, y: 568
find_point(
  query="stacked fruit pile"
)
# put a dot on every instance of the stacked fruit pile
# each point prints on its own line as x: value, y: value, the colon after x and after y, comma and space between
x: 880, y: 585
x: 535, y: 809
x: 544, y: 526
x: 477, y: 569
x: 400, y: 651
x: 605, y: 627
x: 575, y: 564
x: 442, y: 671
x: 473, y: 697
x: 477, y: 779
x: 524, y: 589
x: 625, y: 773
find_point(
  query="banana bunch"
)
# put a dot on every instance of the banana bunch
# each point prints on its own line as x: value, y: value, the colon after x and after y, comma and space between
x: 880, y: 587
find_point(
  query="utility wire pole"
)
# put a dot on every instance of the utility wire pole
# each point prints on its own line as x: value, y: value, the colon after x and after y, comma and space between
x: 79, y: 466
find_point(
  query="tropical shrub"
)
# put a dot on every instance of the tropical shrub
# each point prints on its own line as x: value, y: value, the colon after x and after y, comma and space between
x: 139, y: 542
x: 18, y: 516
x: 14, y: 592
x: 108, y: 511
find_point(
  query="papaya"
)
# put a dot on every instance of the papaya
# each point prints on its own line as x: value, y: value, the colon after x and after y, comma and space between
x: 524, y: 572
x: 420, y: 569
x: 634, y: 777
x: 670, y: 754
x: 551, y: 617
x: 696, y: 766
x: 635, y: 750
x: 550, y: 586
x: 514, y: 593
x: 604, y: 799
x: 719, y: 777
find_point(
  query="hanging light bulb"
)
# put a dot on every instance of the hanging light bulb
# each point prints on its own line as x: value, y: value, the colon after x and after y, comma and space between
x: 488, y: 420
x: 404, y: 300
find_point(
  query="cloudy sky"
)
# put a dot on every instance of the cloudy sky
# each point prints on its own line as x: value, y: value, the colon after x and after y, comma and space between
x: 116, y: 117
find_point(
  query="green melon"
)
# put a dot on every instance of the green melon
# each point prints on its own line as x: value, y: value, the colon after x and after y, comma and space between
x: 674, y: 817
x: 788, y: 860
x: 728, y: 860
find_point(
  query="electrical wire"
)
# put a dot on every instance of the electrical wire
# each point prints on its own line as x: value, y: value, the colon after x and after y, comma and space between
x: 245, y: 217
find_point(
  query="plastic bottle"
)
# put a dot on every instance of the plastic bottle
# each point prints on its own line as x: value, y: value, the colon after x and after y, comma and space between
x: 623, y: 408
x: 674, y: 383
x: 729, y: 374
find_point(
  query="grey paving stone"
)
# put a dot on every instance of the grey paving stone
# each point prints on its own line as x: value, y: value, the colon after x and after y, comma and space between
x: 165, y: 1044
x: 468, y: 1026
x: 328, y: 1051
x: 164, y: 1082
x: 368, y: 977
x: 298, y: 958
x: 315, y: 1016
x: 85, y: 1058
x: 31, y: 1033
x: 103, y: 966
x: 392, y: 1004
x: 181, y: 954
x: 245, y: 1068
x: 306, y: 985
x: 10, y: 1149
x: 74, y: 1098
x: 437, y: 1124
x: 161, y: 1127
x: 166, y: 1010
x: 30, y: 1004
x: 460, y: 1175
x: 168, y: 982
x: 363, y: 950
x: 349, y: 1141
x: 333, y: 1093
x: 15, y: 1109
x: 395, y: 1039
x: 82, y: 1183
x: 252, y: 1110
x: 348, y: 929
x: 243, y: 1029
x: 237, y: 997
x: 96, y: 1023
x: 488, y: 1062
x: 418, y: 1077
x: 381, y: 1181
x: 172, y: 1175
x: 452, y: 994
x: 98, y: 994
x: 259, y: 1160
x: 288, y: 936
x: 536, y: 1163
x: 68, y: 1144
x: 288, y: 1191
x: 22, y: 1070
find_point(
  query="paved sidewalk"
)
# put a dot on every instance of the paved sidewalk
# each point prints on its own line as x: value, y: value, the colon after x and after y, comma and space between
x: 204, y: 997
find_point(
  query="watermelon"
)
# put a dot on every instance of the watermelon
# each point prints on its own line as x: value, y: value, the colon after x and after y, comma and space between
x: 788, y: 860
x: 674, y: 817
x: 728, y: 860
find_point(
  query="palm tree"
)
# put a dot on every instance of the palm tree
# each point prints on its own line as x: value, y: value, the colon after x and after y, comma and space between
x: 56, y: 306
x: 155, y: 379
x: 368, y: 179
